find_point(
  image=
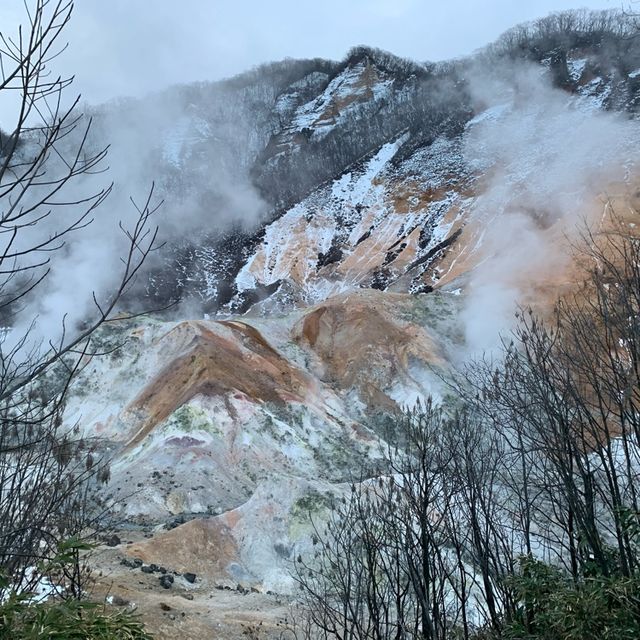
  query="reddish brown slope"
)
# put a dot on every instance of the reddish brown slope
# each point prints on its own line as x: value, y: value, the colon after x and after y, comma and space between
x: 216, y: 359
x: 360, y: 341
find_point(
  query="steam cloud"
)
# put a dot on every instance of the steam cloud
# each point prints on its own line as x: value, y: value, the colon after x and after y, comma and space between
x: 546, y: 155
x: 155, y: 139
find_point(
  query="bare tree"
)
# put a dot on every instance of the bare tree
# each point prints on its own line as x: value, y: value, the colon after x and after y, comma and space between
x: 566, y: 400
x: 388, y: 564
x: 45, y: 464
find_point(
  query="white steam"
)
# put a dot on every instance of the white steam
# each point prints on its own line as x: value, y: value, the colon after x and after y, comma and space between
x: 156, y: 139
x: 544, y: 157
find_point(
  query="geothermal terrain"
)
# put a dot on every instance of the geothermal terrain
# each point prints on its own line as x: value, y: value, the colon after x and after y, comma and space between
x: 339, y: 236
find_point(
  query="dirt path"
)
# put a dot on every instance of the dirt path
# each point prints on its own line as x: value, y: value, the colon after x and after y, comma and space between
x: 185, y: 611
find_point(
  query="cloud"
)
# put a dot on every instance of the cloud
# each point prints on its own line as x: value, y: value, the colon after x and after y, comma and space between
x: 131, y: 47
x: 393, y: 8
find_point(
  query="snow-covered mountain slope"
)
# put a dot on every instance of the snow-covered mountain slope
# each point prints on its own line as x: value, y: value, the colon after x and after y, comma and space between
x: 365, y: 229
x: 307, y: 178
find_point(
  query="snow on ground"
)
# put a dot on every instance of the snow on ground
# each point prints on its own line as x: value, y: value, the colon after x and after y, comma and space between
x: 493, y: 113
x: 350, y: 86
x: 576, y: 68
x: 357, y: 215
x: 593, y: 95
x: 42, y: 590
x: 361, y: 189
x: 292, y: 243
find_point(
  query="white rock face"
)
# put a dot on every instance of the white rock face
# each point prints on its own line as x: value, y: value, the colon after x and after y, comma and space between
x: 252, y: 423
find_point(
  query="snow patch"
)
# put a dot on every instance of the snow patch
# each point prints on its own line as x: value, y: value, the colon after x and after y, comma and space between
x: 493, y: 113
x: 576, y: 68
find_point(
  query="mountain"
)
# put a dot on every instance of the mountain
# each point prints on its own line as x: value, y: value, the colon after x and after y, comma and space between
x: 366, y: 156
x: 341, y: 234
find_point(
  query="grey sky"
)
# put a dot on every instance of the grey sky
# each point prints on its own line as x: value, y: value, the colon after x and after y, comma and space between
x: 130, y: 47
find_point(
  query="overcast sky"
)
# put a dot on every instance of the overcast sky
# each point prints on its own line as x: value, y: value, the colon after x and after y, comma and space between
x: 130, y: 47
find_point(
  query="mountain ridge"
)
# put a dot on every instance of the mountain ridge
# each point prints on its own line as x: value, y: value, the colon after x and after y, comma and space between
x: 244, y: 159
